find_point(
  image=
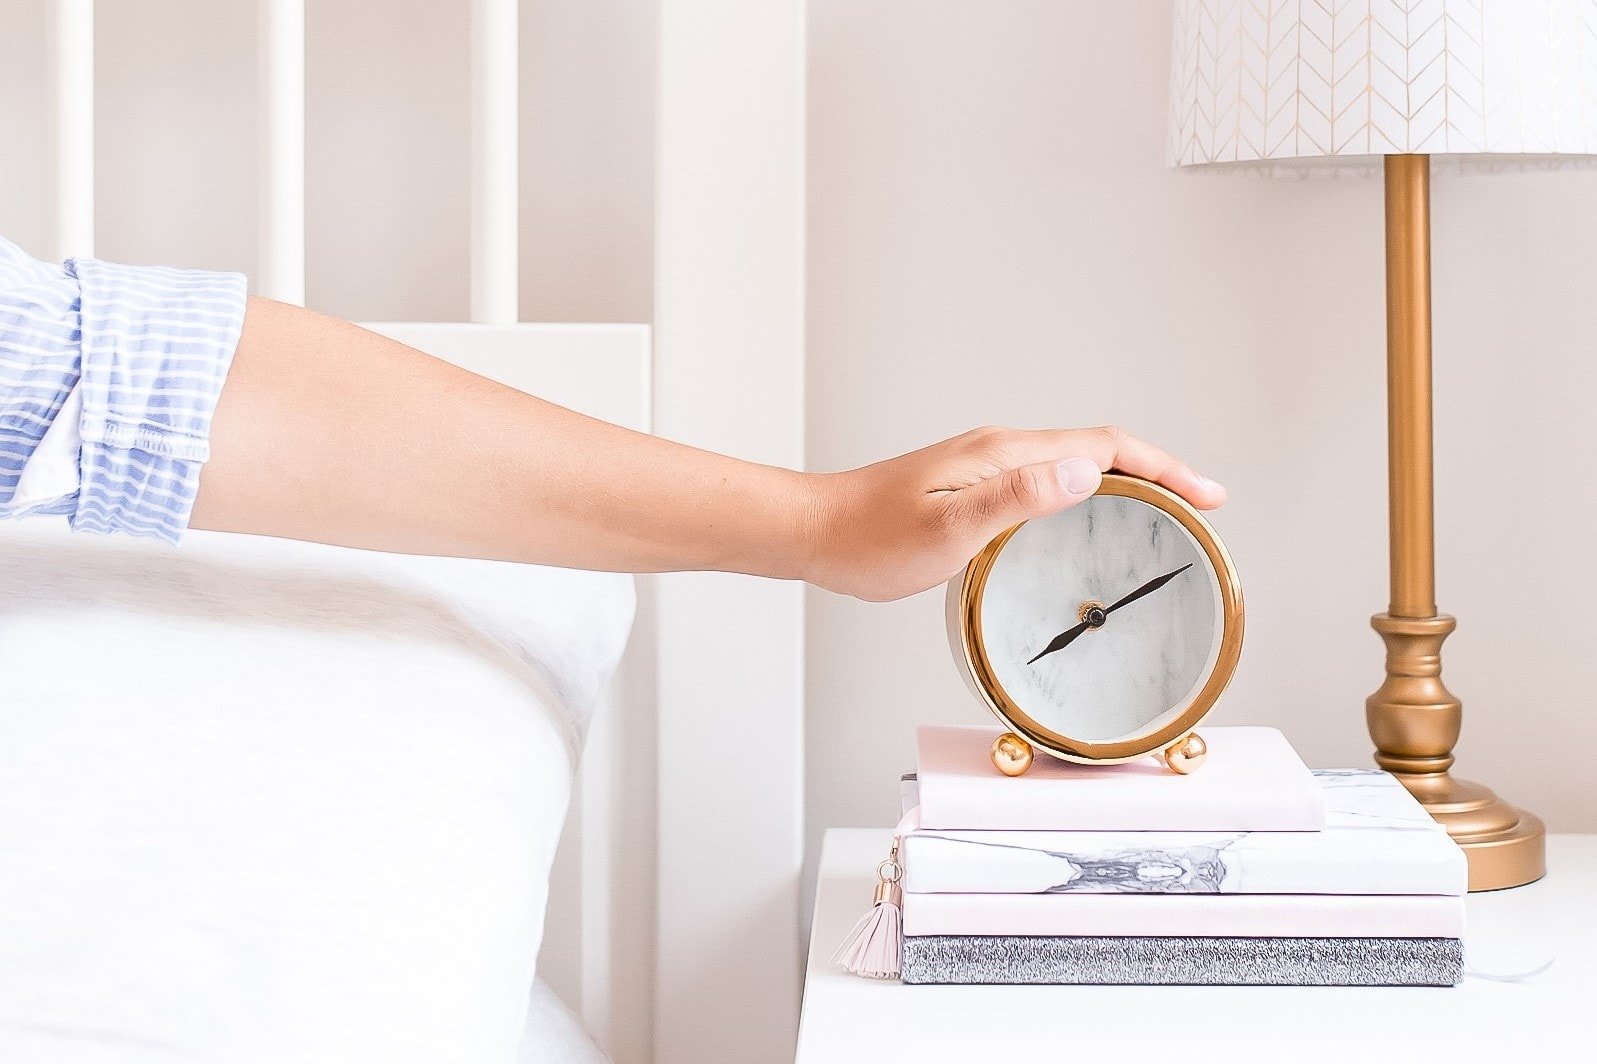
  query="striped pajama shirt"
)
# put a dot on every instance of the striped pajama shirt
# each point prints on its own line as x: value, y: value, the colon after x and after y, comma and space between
x: 108, y: 378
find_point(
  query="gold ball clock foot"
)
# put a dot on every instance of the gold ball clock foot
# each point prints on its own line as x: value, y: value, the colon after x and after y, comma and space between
x: 1011, y: 754
x: 1415, y: 722
x: 1186, y: 754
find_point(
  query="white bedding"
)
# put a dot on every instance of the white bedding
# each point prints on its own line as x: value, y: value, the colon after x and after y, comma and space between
x: 273, y: 801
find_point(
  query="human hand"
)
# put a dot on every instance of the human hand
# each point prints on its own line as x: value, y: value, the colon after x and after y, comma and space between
x: 891, y: 529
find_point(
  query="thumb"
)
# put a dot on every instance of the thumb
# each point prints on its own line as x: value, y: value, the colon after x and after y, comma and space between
x: 1032, y: 491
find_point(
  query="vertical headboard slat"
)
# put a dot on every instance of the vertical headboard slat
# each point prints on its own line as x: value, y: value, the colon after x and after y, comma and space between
x: 494, y: 161
x: 280, y: 272
x: 74, y: 128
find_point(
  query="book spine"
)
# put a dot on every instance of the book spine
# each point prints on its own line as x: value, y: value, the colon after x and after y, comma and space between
x: 1014, y: 959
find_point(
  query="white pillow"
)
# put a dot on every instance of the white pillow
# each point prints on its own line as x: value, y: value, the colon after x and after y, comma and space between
x: 554, y: 1035
x: 274, y: 801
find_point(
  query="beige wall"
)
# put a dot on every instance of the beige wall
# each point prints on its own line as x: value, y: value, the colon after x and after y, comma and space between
x: 387, y: 137
x: 994, y: 237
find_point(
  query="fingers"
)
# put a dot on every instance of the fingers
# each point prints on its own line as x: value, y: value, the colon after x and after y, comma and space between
x: 1110, y: 447
x: 1030, y: 491
x: 1128, y: 454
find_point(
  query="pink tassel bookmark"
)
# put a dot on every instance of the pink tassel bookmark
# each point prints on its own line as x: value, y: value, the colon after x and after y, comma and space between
x: 876, y: 945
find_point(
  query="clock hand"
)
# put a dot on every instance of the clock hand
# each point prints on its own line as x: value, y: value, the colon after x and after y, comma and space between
x: 1149, y: 588
x: 1061, y: 641
x: 1065, y: 638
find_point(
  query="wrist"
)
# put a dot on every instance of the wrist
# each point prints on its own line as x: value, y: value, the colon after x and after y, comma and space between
x: 775, y: 524
x: 820, y: 503
x: 814, y: 511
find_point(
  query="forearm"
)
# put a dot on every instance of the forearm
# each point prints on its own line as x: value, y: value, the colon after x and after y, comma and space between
x: 327, y: 432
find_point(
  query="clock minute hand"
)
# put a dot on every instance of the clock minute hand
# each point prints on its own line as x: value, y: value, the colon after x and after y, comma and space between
x: 1065, y: 638
x: 1149, y: 588
x: 1061, y: 641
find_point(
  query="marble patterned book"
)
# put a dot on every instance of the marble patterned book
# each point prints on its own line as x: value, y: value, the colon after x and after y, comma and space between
x: 1377, y: 840
x: 1213, y: 915
x: 1184, y: 961
x: 1252, y: 781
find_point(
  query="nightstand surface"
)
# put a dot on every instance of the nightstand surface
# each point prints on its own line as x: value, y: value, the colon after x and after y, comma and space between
x: 1547, y: 1017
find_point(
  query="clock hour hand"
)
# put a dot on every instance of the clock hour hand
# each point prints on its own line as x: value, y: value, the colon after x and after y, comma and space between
x: 1149, y: 588
x: 1061, y: 641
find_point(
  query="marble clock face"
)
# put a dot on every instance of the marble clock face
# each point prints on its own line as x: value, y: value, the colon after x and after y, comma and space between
x: 1103, y: 621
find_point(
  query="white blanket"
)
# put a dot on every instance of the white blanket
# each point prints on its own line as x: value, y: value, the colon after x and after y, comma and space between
x: 273, y: 801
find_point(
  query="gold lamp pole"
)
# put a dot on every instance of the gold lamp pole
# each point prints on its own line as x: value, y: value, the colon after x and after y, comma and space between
x: 1413, y: 719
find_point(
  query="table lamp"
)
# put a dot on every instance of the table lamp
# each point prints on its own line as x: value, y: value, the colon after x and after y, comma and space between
x: 1291, y: 83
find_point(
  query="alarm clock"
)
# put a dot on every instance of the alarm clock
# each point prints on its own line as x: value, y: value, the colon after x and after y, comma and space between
x: 1102, y: 633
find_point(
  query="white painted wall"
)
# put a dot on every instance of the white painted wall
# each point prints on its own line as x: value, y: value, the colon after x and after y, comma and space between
x: 729, y: 376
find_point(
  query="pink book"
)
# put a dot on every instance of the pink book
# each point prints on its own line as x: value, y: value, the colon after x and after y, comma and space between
x: 1206, y: 915
x: 1252, y: 781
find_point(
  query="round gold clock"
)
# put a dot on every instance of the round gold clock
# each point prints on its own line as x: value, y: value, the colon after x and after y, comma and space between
x: 1102, y: 633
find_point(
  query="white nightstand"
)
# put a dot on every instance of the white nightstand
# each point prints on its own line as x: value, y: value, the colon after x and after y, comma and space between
x: 1549, y: 1017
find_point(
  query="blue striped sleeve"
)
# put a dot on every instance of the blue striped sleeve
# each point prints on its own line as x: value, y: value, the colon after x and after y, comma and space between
x: 146, y: 350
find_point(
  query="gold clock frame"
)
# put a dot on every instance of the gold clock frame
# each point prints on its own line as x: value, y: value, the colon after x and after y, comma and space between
x: 1184, y: 751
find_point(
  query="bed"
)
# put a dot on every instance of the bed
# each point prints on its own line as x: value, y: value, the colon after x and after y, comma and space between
x: 671, y: 936
x: 268, y: 800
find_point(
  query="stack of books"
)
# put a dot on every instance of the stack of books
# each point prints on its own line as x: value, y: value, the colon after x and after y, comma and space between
x: 1251, y: 871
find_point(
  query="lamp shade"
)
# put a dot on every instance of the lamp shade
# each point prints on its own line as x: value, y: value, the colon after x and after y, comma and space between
x: 1300, y: 79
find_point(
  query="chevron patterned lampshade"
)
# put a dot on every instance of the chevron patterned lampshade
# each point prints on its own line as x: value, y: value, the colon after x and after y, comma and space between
x: 1260, y: 80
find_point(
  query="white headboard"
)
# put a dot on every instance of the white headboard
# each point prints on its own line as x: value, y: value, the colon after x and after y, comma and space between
x: 598, y: 937
x: 674, y: 923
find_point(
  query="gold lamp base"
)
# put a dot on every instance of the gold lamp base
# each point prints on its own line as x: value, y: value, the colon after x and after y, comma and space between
x: 1415, y: 722
x: 1506, y: 847
x: 1413, y: 719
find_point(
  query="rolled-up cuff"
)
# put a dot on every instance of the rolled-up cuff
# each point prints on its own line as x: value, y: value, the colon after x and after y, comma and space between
x: 157, y: 344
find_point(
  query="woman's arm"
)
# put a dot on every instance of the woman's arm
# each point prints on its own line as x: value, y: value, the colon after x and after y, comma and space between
x: 327, y: 432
